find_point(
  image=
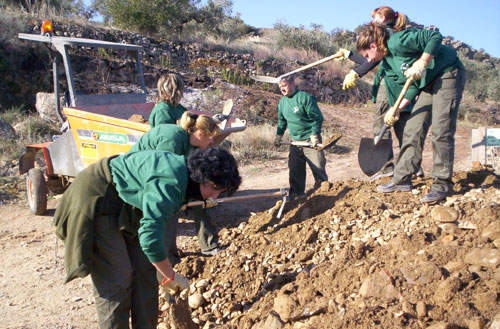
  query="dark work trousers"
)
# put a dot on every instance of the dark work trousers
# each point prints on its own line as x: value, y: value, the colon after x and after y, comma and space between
x: 124, y: 280
x: 437, y: 105
x: 207, y: 232
x: 297, y: 159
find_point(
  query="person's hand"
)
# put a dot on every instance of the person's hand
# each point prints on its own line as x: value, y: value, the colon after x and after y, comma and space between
x: 343, y: 54
x: 175, y: 285
x: 277, y: 140
x: 210, y: 202
x: 314, y: 140
x: 417, y: 70
x: 350, y: 80
x: 391, y: 117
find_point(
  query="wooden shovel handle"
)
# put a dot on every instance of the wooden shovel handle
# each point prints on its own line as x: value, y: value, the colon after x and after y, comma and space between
x: 395, y: 108
x: 305, y: 67
x: 241, y: 198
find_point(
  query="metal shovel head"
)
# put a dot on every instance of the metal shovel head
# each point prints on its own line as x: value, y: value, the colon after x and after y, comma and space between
x: 372, y: 157
x: 263, y: 78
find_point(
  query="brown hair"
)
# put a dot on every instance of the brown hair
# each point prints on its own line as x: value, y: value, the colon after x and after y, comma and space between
x: 170, y: 88
x: 375, y: 33
x: 391, y: 16
x: 192, y: 122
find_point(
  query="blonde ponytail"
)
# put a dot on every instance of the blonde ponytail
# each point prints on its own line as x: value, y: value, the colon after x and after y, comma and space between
x: 192, y: 122
x: 170, y: 89
x: 391, y: 17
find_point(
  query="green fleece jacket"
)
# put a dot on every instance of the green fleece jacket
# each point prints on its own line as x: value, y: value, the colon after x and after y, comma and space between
x: 165, y: 137
x: 405, y: 48
x: 153, y: 181
x: 164, y: 113
x: 301, y: 114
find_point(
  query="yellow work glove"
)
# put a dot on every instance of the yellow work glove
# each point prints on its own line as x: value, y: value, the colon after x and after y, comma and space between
x: 343, y: 54
x: 210, y: 202
x: 175, y: 285
x: 350, y: 80
x: 277, y: 140
x: 417, y: 70
x: 314, y: 140
x: 391, y: 117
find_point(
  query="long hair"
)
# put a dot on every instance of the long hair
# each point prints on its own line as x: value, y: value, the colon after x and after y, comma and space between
x: 170, y: 89
x: 394, y: 18
x: 375, y: 33
x: 192, y: 122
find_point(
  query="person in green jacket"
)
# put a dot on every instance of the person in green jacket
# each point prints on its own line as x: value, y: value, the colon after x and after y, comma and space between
x: 167, y: 108
x: 299, y: 112
x: 193, y: 131
x: 439, y: 80
x: 393, y: 21
x: 123, y: 254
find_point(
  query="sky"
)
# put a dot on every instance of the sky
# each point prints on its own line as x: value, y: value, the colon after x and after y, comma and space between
x: 475, y: 22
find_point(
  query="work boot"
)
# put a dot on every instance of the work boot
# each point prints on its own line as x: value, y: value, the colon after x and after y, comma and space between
x: 211, y: 252
x: 420, y: 172
x: 391, y: 187
x: 381, y: 174
x: 434, y: 196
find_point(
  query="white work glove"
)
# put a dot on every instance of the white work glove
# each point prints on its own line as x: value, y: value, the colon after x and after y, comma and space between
x: 210, y: 202
x: 350, y: 80
x: 391, y: 117
x: 277, y: 140
x: 314, y: 140
x: 176, y: 285
x: 343, y: 54
x: 417, y: 70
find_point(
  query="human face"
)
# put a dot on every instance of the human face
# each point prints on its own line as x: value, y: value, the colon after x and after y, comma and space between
x: 199, y: 139
x: 372, y: 54
x: 208, y: 190
x: 287, y: 88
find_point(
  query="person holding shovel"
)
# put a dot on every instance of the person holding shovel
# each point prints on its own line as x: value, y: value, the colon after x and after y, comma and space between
x: 122, y: 254
x: 439, y: 78
x: 394, y: 22
x: 299, y: 112
x: 193, y: 131
x: 167, y: 108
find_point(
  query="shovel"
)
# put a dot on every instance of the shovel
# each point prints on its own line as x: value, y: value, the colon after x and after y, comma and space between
x: 263, y: 78
x: 321, y: 146
x: 374, y: 153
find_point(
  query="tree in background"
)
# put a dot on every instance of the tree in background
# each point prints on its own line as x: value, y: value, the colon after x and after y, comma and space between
x: 50, y: 8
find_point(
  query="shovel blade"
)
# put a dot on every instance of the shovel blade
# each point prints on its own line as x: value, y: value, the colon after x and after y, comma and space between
x: 263, y: 78
x: 373, y: 157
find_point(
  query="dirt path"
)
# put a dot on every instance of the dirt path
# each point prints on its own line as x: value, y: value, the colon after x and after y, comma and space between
x: 31, y: 291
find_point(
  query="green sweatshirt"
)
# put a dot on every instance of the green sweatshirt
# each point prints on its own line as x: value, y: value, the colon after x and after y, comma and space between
x: 301, y: 114
x: 405, y: 48
x: 156, y: 183
x: 165, y: 137
x: 165, y: 113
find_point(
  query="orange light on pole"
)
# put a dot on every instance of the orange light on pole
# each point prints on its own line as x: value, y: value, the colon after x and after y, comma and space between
x: 46, y: 27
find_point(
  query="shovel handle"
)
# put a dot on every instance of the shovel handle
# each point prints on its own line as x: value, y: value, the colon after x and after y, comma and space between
x: 305, y: 67
x: 241, y: 198
x: 395, y: 109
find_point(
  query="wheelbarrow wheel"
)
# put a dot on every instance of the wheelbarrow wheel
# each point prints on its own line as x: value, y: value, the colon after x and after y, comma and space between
x: 36, y: 189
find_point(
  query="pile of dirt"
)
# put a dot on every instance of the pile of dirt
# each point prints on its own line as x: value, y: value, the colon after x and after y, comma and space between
x: 348, y: 257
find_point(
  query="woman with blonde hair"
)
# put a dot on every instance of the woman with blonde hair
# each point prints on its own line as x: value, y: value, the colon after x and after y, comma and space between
x: 439, y: 80
x: 193, y: 131
x: 167, y: 108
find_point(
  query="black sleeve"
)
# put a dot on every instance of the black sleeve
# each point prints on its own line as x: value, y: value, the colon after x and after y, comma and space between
x: 364, y: 66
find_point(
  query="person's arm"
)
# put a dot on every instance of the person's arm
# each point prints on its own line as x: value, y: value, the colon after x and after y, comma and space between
x: 314, y: 113
x: 282, y: 124
x: 364, y: 68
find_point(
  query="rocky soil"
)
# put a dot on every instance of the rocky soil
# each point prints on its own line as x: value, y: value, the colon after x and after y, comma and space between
x: 348, y: 257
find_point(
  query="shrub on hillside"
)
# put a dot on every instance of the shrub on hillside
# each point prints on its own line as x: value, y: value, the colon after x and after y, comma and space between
x: 482, y: 79
x: 314, y: 39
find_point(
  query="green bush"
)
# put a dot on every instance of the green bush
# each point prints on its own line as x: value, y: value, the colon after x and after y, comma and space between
x: 482, y: 79
x: 314, y: 39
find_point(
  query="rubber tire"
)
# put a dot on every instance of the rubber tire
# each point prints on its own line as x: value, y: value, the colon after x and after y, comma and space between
x: 36, y: 189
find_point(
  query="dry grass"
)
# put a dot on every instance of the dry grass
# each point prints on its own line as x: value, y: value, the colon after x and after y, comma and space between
x: 256, y: 142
